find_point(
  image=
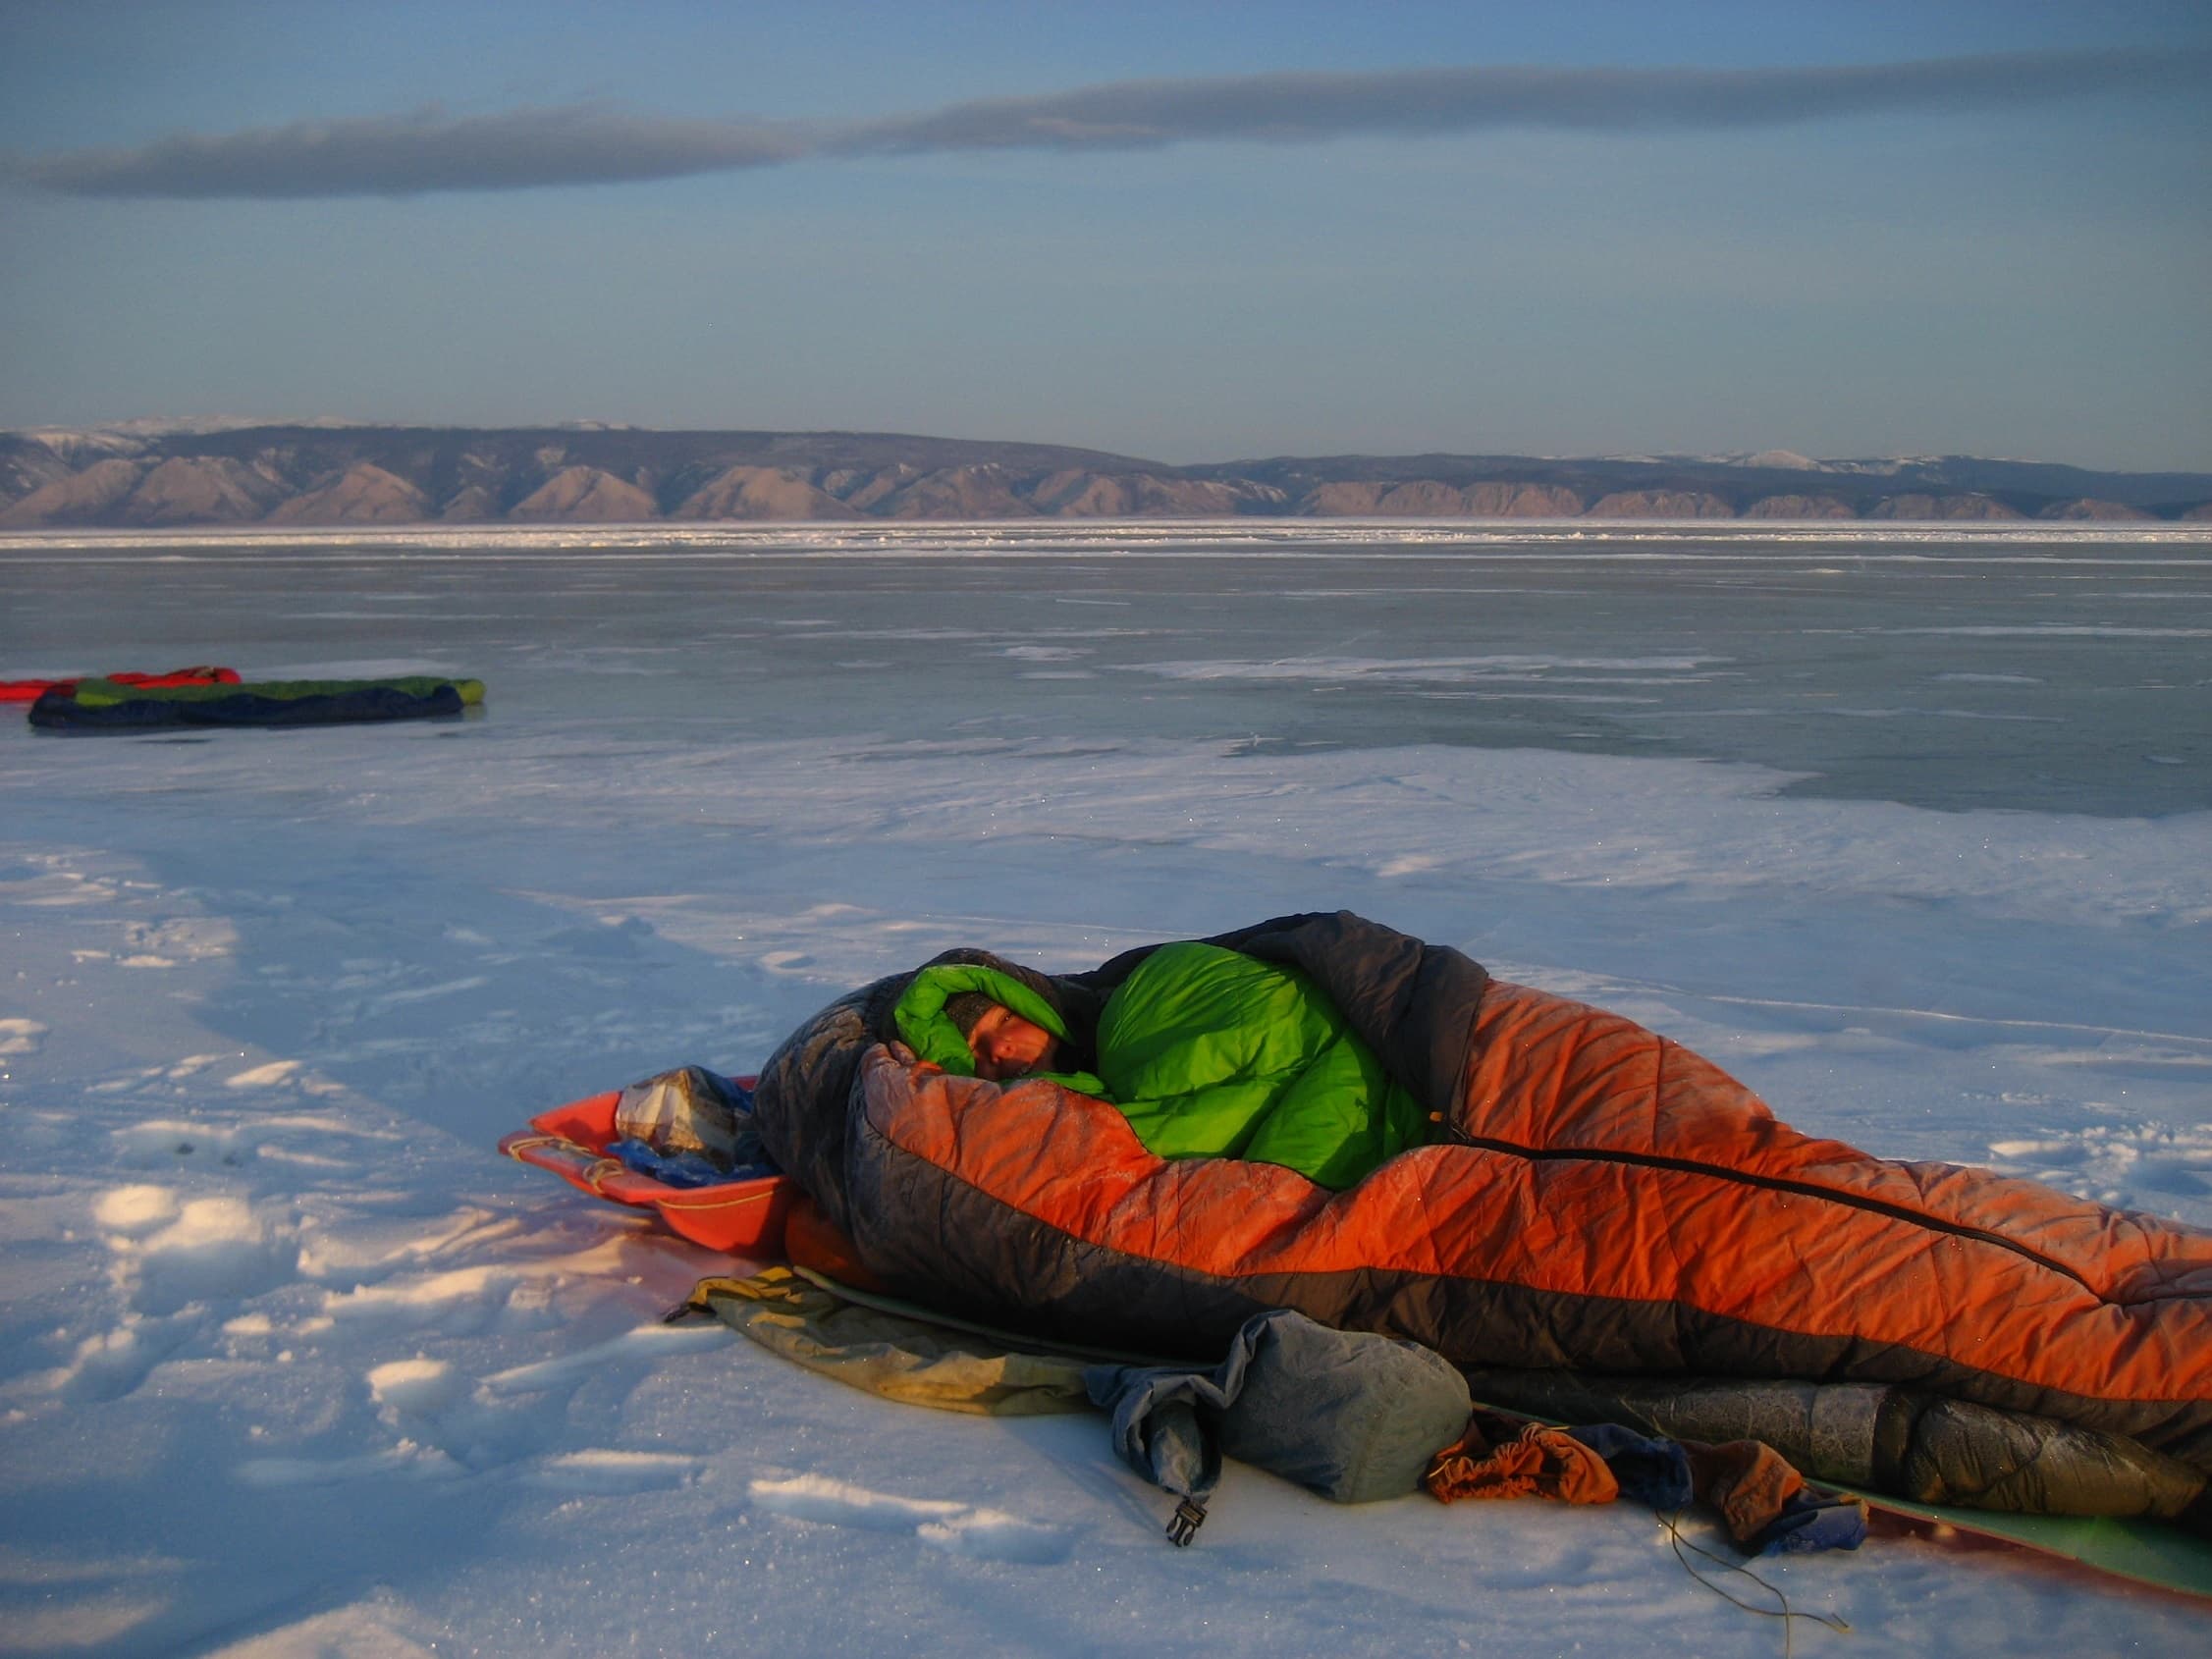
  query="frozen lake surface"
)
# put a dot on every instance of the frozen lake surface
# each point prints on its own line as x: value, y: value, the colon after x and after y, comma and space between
x: 2046, y: 669
x: 1907, y: 827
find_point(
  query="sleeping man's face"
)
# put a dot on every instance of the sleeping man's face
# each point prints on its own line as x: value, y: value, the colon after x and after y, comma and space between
x: 1006, y: 1045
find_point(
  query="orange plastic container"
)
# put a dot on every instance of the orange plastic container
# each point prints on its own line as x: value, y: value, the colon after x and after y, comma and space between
x: 746, y: 1218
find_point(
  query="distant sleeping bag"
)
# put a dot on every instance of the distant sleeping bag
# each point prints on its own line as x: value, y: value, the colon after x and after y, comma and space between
x: 100, y: 705
x: 1590, y: 1196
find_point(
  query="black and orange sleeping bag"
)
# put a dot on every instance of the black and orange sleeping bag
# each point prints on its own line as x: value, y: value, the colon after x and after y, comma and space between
x: 1593, y: 1198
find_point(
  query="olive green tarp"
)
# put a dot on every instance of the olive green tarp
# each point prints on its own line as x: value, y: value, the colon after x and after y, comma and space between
x: 907, y: 1353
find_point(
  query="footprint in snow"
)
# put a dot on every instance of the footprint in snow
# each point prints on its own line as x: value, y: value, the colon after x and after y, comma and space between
x: 605, y: 1471
x: 268, y: 1076
x: 170, y: 1259
x: 415, y: 1462
x: 163, y: 1140
x: 77, y: 1619
x: 168, y: 1256
x: 114, y: 1363
x: 397, y: 1244
x: 130, y: 1211
x: 647, y: 1345
x: 957, y: 1528
x: 458, y: 1302
x: 443, y: 1429
x: 447, y: 1425
x: 439, y: 1412
x: 306, y: 1139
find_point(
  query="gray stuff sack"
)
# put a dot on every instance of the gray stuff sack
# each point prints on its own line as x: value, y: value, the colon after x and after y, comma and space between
x: 1350, y: 1414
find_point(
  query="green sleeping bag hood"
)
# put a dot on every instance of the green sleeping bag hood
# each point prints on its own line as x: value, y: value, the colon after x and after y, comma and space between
x: 927, y: 1029
x: 1210, y: 1053
x: 1217, y: 1054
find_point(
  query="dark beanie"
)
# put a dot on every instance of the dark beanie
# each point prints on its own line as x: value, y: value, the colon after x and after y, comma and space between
x: 967, y: 1008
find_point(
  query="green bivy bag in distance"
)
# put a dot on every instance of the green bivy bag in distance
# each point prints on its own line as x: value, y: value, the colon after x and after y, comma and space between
x: 98, y: 705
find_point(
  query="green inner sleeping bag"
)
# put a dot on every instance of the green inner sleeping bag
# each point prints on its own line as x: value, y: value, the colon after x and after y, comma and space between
x: 1210, y: 1053
x: 1217, y: 1054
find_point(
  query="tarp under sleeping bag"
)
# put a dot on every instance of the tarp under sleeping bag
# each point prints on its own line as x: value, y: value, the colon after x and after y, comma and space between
x: 98, y: 705
x: 1595, y: 1198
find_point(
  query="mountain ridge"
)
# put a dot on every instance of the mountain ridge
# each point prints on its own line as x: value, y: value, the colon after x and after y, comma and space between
x: 223, y: 470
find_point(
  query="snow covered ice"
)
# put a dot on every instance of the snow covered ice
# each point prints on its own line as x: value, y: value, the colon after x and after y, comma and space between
x: 1911, y: 829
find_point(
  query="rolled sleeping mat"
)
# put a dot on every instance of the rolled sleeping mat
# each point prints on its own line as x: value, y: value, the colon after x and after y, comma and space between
x: 1880, y: 1438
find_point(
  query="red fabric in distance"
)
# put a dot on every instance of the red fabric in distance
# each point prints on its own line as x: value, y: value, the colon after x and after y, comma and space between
x: 31, y: 690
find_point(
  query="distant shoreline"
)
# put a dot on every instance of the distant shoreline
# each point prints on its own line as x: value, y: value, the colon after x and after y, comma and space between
x: 299, y: 477
x: 1160, y: 538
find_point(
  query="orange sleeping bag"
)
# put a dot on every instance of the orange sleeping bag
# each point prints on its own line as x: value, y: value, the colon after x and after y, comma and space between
x: 1597, y: 1198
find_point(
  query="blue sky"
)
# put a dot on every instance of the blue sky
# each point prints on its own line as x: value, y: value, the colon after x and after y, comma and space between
x: 1188, y: 231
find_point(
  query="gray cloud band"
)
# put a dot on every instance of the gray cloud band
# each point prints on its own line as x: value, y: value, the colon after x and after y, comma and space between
x: 593, y: 145
x: 415, y: 154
